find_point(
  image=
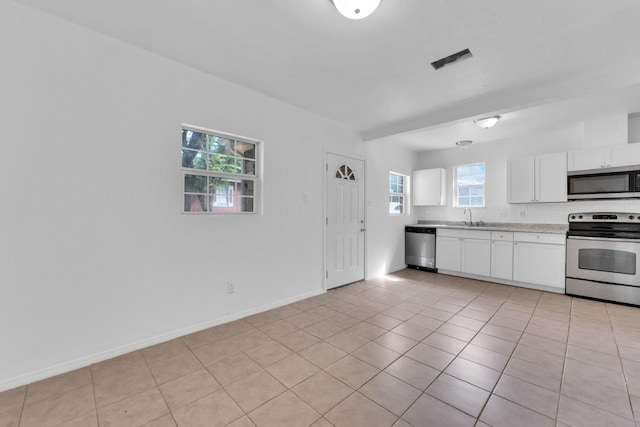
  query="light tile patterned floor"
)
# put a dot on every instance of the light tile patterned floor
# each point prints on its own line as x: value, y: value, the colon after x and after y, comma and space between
x: 409, y: 349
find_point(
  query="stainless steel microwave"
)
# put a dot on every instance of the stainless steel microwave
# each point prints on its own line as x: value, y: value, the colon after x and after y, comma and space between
x: 609, y: 183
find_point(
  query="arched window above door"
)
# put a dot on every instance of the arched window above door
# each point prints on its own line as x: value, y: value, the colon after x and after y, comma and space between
x: 345, y: 172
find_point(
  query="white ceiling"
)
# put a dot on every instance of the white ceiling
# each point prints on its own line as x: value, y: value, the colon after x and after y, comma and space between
x: 540, y: 64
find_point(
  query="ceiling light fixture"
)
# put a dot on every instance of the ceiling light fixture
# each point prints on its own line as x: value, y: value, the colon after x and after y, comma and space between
x: 487, y: 122
x: 356, y: 9
x: 464, y: 143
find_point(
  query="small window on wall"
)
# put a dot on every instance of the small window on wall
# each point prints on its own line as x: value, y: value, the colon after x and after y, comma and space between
x: 220, y: 172
x: 469, y: 185
x: 398, y: 194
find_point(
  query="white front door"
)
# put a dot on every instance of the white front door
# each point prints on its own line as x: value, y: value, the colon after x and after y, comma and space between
x: 345, y: 225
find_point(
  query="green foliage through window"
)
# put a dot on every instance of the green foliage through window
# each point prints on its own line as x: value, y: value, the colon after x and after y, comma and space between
x: 220, y: 173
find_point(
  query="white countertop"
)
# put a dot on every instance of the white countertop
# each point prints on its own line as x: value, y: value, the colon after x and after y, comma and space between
x: 498, y: 226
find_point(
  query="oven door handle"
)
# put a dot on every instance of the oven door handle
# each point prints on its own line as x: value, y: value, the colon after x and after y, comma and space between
x: 603, y: 239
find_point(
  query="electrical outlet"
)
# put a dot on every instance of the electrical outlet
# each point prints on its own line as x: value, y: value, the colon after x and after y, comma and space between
x: 523, y: 213
x: 231, y: 288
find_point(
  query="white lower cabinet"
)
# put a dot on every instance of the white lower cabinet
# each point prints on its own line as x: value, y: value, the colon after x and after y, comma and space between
x: 539, y: 259
x: 476, y: 256
x: 448, y: 252
x: 502, y: 255
x: 466, y: 251
x: 518, y: 258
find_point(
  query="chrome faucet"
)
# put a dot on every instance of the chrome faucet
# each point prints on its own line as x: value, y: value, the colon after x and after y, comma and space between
x: 470, y: 216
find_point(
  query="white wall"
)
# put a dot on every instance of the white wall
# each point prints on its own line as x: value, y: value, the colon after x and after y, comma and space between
x: 96, y: 258
x: 496, y: 155
x: 385, y: 235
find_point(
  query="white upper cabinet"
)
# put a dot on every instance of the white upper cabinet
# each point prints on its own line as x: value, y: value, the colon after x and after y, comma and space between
x: 625, y: 155
x: 429, y: 187
x: 521, y: 180
x: 537, y: 179
x: 622, y: 155
x: 551, y: 178
x: 586, y: 159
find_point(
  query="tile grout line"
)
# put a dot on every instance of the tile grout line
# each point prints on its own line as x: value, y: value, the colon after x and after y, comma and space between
x: 624, y: 371
x: 24, y: 403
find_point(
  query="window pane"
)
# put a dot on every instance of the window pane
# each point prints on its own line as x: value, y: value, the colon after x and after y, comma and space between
x: 194, y: 140
x: 193, y: 159
x: 463, y: 201
x: 222, y: 163
x: 247, y: 188
x: 216, y: 183
x: 246, y: 150
x: 248, y: 167
x: 195, y: 203
x: 195, y: 184
x: 477, y: 201
x: 394, y: 188
x: 396, y: 208
x: 246, y: 204
x: 462, y: 180
x: 463, y: 192
x: 477, y: 169
x: 476, y: 191
x: 220, y: 145
x: 463, y: 171
x: 476, y: 180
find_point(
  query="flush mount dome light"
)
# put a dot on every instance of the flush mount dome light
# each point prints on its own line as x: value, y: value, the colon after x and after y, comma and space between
x: 356, y: 9
x: 464, y: 143
x: 487, y: 122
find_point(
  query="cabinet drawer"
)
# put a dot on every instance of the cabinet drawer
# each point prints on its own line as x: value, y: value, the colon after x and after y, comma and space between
x: 502, y: 236
x: 463, y: 233
x: 549, y: 238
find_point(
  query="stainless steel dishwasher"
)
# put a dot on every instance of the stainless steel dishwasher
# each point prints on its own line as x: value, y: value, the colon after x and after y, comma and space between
x: 420, y: 247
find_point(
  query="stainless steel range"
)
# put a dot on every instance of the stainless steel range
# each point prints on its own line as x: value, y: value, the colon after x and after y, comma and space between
x: 603, y: 256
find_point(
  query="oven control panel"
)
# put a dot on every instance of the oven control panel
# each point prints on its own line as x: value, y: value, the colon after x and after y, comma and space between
x: 604, y: 217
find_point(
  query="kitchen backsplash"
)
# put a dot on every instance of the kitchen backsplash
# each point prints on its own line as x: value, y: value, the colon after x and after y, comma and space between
x: 542, y: 213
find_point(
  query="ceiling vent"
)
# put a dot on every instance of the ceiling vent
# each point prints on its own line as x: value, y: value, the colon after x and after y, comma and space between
x: 448, y: 60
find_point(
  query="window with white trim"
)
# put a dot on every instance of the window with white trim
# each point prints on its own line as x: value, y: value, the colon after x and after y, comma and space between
x: 220, y: 172
x: 469, y: 185
x: 398, y: 194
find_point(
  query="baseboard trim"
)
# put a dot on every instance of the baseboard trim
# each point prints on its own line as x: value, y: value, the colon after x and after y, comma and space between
x: 545, y: 288
x: 82, y: 362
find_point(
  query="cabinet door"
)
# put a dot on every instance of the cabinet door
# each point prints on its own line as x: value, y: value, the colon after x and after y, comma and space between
x: 586, y: 159
x: 476, y: 256
x: 551, y: 177
x: 448, y: 253
x: 626, y: 155
x: 429, y: 187
x: 541, y: 264
x: 502, y: 259
x: 520, y: 180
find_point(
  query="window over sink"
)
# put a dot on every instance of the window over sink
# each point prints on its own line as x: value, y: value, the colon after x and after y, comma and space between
x: 469, y: 185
